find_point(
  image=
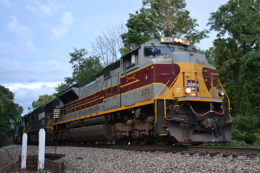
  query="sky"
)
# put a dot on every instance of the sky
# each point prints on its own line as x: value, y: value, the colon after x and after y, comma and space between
x: 37, y: 35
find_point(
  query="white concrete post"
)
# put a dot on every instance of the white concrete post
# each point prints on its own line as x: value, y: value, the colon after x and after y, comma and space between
x: 24, y: 151
x: 41, y: 152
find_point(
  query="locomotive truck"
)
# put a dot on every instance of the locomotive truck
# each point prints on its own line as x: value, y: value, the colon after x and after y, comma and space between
x: 162, y: 91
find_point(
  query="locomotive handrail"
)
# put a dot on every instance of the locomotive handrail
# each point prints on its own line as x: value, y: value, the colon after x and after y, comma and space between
x: 228, y: 99
x: 49, y: 126
x: 165, y: 113
x: 210, y: 111
x: 160, y: 92
x: 163, y: 88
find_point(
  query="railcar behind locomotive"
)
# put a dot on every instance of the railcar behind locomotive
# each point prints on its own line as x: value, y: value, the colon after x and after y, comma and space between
x: 161, y: 91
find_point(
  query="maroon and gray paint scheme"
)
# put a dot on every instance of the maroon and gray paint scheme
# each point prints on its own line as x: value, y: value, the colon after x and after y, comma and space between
x: 155, y: 73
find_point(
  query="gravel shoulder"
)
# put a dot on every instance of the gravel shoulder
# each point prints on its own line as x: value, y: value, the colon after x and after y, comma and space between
x: 96, y: 160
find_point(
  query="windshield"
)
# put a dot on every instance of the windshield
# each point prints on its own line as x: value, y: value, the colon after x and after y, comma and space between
x: 153, y: 51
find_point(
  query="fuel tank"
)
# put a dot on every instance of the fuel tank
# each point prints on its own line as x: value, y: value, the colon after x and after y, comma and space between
x: 89, y: 122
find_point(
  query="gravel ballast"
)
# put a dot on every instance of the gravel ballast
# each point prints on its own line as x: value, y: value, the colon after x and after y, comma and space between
x: 84, y: 159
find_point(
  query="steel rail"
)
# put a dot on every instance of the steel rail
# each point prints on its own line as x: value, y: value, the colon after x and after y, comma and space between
x: 201, y: 150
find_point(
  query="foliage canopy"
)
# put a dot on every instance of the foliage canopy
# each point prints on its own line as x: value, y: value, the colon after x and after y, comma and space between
x: 236, y: 55
x: 159, y: 18
x: 10, y: 112
x: 84, y: 67
x: 42, y: 99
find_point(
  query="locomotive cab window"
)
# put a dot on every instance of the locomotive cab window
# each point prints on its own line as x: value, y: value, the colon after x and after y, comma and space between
x: 153, y: 51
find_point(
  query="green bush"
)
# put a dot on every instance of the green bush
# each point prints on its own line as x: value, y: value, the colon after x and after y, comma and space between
x: 246, y: 128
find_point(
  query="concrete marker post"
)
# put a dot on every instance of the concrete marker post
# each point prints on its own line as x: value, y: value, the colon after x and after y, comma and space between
x: 24, y: 151
x: 41, y: 152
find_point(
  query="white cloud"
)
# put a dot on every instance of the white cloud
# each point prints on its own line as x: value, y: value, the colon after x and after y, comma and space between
x: 29, y: 79
x: 6, y: 3
x: 16, y: 71
x: 25, y: 94
x: 22, y: 43
x: 23, y: 47
x: 48, y: 9
x: 15, y: 27
x: 31, y: 86
x: 66, y: 22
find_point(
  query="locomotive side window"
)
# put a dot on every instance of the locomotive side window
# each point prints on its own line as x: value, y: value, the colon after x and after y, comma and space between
x: 152, y: 51
x: 107, y: 73
x: 130, y: 60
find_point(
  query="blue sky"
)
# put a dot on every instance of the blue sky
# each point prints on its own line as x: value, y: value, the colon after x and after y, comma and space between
x: 37, y: 35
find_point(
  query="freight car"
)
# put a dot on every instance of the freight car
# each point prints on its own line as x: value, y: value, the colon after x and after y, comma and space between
x: 163, y: 91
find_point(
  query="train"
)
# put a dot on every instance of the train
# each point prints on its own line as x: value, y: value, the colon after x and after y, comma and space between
x: 164, y: 91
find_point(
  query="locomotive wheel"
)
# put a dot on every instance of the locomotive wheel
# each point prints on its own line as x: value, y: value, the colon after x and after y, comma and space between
x: 142, y: 141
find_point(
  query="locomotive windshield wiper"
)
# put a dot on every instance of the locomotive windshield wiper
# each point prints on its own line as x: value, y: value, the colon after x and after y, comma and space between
x: 157, y: 51
x: 172, y: 49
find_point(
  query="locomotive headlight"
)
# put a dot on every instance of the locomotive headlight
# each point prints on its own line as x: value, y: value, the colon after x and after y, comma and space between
x: 188, y: 90
x: 221, y: 93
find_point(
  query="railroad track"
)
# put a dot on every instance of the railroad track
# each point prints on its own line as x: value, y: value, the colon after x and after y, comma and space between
x: 201, y: 150
x: 225, y: 151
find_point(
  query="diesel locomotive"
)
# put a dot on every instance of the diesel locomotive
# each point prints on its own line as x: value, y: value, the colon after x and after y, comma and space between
x: 162, y: 91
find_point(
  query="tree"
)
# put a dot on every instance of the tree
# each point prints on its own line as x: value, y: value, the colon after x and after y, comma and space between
x: 236, y: 54
x: 159, y: 18
x: 42, y: 100
x: 10, y: 112
x: 107, y: 46
x: 61, y: 87
x: 84, y: 68
x: 141, y: 28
